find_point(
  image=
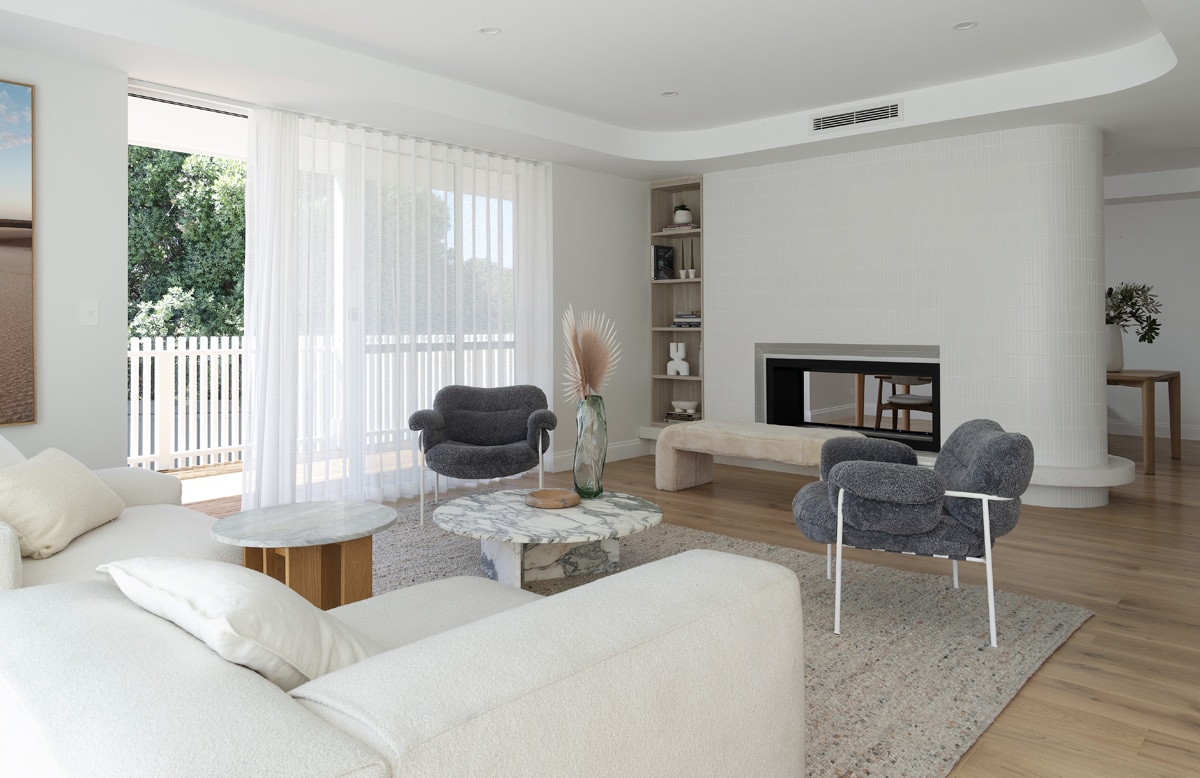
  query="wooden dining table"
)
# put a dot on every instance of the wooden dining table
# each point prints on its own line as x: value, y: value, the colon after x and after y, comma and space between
x: 1145, y: 380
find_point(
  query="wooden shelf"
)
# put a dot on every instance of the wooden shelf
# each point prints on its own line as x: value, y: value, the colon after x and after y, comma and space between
x: 669, y: 296
x: 694, y: 233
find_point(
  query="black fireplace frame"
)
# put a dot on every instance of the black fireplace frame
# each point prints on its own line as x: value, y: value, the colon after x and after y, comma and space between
x: 785, y: 376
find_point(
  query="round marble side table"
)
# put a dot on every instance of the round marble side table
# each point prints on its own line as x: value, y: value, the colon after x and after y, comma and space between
x: 320, y: 549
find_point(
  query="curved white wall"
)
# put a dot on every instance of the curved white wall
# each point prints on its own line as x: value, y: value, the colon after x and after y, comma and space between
x: 989, y: 246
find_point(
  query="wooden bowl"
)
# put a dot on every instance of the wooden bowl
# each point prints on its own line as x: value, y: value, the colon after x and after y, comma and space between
x: 552, y: 498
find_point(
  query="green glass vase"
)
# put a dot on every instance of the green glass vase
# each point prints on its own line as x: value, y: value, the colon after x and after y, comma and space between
x: 591, y: 446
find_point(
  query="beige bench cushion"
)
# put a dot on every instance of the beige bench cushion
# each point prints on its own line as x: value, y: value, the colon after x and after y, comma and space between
x: 683, y: 454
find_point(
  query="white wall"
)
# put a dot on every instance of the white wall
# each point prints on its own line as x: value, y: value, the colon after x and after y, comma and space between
x: 1157, y: 243
x: 601, y: 262
x: 80, y: 254
x: 988, y: 246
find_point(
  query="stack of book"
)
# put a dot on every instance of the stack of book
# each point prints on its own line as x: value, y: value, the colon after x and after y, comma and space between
x: 678, y: 227
x: 686, y: 319
x: 674, y: 417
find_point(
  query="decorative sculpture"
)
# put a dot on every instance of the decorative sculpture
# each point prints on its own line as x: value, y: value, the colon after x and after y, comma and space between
x: 677, y: 366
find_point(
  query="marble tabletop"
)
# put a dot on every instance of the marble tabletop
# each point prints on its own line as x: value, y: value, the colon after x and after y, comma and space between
x: 303, y: 524
x: 503, y: 515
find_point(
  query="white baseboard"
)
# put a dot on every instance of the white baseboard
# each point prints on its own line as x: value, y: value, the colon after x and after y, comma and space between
x: 1134, y: 428
x: 563, y: 461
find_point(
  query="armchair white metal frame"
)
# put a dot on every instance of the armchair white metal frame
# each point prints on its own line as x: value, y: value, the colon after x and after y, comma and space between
x: 437, y: 476
x: 985, y: 499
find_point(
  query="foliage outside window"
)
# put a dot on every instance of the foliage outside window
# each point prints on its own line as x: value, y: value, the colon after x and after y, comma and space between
x: 187, y: 244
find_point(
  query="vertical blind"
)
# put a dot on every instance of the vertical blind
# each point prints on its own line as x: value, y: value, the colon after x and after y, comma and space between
x: 379, y: 268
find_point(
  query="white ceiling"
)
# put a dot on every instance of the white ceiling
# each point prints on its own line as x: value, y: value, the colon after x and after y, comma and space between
x: 580, y: 82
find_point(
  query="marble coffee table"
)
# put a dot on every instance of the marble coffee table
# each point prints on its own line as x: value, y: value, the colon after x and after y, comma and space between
x: 519, y: 543
x: 320, y: 549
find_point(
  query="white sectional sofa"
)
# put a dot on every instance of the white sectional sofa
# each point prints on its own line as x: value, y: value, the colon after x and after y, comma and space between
x: 692, y: 665
x: 153, y: 523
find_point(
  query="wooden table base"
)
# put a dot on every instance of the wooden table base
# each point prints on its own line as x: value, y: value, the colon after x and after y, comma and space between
x: 1145, y: 381
x: 327, y: 576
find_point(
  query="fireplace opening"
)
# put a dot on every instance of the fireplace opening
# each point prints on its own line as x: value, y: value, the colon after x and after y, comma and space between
x: 848, y: 394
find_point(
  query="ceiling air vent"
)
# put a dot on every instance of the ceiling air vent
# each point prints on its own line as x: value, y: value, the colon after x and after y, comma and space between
x: 857, y: 116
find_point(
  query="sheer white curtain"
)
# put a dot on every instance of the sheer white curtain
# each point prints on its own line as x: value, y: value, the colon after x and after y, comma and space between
x: 379, y: 268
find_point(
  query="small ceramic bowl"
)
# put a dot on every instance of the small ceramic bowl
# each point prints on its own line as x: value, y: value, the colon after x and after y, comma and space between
x: 685, y: 406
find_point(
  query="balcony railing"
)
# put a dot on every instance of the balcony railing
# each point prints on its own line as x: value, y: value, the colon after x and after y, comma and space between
x: 185, y: 401
x: 185, y: 394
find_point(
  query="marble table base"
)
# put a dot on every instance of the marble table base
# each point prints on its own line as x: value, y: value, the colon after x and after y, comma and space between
x: 514, y: 563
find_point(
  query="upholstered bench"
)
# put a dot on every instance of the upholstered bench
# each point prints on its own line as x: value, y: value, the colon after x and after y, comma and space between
x: 683, y: 456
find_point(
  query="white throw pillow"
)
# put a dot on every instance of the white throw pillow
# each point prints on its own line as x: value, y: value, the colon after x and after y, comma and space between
x: 248, y: 618
x: 51, y: 499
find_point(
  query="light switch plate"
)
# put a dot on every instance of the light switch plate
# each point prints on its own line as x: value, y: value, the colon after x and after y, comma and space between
x: 89, y: 313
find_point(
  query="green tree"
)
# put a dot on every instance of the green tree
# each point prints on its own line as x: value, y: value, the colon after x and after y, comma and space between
x: 187, y: 244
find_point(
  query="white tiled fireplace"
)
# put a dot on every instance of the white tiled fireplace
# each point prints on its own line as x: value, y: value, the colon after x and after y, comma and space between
x: 989, y: 247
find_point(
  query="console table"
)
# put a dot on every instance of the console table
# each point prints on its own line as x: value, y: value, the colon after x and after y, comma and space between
x: 1145, y: 380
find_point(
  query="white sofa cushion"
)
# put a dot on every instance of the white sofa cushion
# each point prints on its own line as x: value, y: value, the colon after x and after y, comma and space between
x: 404, y: 616
x: 248, y: 618
x: 94, y: 685
x: 144, y: 530
x: 693, y: 661
x: 51, y: 499
x: 139, y: 486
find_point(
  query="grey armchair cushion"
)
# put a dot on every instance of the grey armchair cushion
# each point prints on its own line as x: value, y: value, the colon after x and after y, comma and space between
x: 896, y: 506
x: 463, y: 460
x: 817, y: 520
x: 473, y: 432
x: 539, y: 423
x: 980, y: 456
x: 888, y: 497
x: 837, y: 450
x: 431, y: 425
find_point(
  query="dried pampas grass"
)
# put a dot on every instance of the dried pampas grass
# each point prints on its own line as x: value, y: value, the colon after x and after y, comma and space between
x: 592, y: 352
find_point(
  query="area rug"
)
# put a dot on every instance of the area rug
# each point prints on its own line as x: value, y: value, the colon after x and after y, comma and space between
x: 906, y: 688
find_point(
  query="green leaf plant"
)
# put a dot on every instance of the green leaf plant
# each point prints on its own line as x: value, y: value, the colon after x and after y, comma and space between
x: 1132, y: 305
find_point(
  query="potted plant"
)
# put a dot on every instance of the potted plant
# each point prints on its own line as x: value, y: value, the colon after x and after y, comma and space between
x: 1129, y: 305
x: 683, y: 214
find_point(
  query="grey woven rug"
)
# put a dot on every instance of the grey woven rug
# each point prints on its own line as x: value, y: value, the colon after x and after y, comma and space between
x: 906, y: 688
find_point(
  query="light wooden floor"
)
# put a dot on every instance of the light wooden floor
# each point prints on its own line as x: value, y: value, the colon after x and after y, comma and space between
x: 1122, y: 696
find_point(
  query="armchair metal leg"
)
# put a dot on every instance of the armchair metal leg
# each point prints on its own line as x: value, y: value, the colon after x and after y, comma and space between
x: 837, y: 595
x: 541, y: 469
x: 954, y: 562
x: 987, y: 563
x: 828, y: 561
x: 421, y: 486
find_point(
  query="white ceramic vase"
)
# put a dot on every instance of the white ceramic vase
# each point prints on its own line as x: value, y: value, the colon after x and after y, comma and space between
x: 683, y: 217
x: 1115, y: 359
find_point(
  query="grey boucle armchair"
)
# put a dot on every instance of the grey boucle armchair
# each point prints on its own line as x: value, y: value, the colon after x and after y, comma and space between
x: 481, y: 433
x: 873, y: 495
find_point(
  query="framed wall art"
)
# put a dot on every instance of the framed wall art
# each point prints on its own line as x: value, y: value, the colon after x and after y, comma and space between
x: 18, y: 393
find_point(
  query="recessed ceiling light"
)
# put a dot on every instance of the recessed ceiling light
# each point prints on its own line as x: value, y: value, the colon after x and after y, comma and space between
x: 669, y: 93
x: 966, y: 25
x: 490, y: 30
